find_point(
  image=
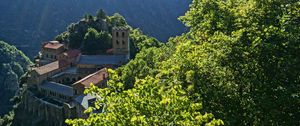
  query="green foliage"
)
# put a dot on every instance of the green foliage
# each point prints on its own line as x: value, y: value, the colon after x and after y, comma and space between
x: 101, y: 15
x: 7, y: 119
x: 13, y: 64
x: 260, y: 62
x: 92, y: 35
x: 139, y: 41
x: 117, y: 20
x: 149, y: 103
x: 91, y: 32
x: 240, y: 61
x: 94, y: 42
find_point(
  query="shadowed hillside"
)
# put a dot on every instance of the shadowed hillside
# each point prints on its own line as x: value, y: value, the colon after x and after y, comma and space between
x: 13, y: 64
x: 28, y: 23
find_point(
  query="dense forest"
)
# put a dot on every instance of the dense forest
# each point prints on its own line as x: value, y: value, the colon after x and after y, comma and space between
x: 13, y: 64
x: 237, y: 65
x: 28, y: 23
x: 92, y: 34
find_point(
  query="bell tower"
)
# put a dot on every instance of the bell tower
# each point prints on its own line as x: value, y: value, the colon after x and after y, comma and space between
x: 120, y: 41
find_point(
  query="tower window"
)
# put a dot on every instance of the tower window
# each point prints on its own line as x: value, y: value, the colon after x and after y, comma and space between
x: 117, y: 34
x: 117, y: 42
x: 123, y: 42
x: 123, y: 34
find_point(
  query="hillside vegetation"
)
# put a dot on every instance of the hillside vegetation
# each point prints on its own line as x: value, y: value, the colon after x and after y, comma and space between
x: 92, y: 34
x: 28, y: 23
x: 13, y: 64
x: 239, y: 63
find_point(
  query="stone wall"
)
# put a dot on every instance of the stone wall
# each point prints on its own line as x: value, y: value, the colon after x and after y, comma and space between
x: 45, y: 112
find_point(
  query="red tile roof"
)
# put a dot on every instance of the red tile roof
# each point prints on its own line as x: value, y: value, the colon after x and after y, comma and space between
x: 94, y: 78
x: 51, y: 67
x: 72, y: 53
x: 110, y: 51
x: 53, y: 45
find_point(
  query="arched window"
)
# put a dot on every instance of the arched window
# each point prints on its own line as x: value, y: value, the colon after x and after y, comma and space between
x: 123, y: 34
x: 123, y: 42
x: 117, y: 34
x: 117, y: 42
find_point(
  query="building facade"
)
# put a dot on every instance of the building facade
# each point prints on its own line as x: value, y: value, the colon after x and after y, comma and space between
x: 60, y: 76
x: 120, y: 41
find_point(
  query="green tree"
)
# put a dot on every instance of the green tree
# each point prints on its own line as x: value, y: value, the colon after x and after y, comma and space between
x: 117, y: 20
x: 240, y: 58
x: 139, y: 41
x: 101, y: 14
x: 258, y: 59
x: 149, y: 103
x: 13, y: 64
x: 95, y: 42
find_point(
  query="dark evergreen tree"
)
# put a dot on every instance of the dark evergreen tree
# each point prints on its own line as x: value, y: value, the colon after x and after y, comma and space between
x: 101, y: 14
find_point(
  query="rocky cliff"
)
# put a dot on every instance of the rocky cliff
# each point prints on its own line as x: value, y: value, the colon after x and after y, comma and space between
x: 13, y: 64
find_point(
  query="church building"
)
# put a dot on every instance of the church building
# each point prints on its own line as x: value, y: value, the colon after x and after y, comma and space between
x: 61, y: 75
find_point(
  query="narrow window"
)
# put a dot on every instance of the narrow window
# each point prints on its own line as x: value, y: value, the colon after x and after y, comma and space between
x: 117, y: 34
x: 123, y: 34
x: 117, y: 42
x: 123, y: 42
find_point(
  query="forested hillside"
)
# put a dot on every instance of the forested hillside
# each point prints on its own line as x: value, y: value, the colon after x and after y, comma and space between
x: 92, y: 34
x: 239, y: 62
x: 13, y: 64
x: 27, y: 23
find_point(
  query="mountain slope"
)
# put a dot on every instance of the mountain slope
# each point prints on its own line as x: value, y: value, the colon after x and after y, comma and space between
x: 13, y: 64
x: 28, y: 23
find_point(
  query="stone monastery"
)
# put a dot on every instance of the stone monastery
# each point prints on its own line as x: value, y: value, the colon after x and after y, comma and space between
x: 57, y: 81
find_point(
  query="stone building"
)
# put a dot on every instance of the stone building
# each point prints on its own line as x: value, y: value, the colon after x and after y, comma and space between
x: 49, y: 52
x: 98, y: 79
x: 120, y: 41
x: 91, y: 63
x: 56, y: 102
x: 40, y: 74
x: 72, y: 56
x: 57, y: 82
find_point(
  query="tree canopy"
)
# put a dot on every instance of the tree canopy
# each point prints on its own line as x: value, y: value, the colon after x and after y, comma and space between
x: 239, y: 61
x: 13, y: 64
x: 93, y: 34
x: 96, y: 42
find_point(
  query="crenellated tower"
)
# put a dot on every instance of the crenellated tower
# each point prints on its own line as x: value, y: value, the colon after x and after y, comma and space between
x: 120, y: 41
